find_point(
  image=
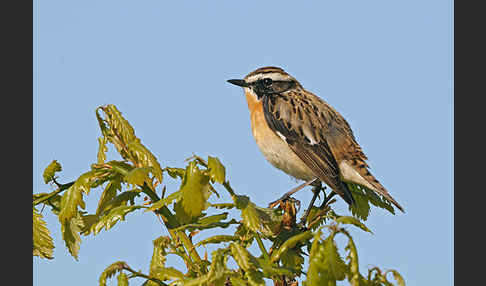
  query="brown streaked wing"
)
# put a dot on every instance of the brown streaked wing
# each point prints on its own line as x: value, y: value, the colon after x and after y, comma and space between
x: 332, y: 128
x: 289, y: 116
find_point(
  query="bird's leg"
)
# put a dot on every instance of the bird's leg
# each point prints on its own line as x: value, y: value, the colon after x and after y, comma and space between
x: 316, y: 190
x: 327, y: 199
x: 291, y: 192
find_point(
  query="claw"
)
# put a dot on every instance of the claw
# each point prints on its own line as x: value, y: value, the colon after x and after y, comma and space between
x: 287, y: 195
x: 284, y: 198
x: 279, y: 201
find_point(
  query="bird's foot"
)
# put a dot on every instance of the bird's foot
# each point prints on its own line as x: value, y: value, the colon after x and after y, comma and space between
x: 285, y: 197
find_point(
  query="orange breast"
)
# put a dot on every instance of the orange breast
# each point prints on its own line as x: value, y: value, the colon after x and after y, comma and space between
x: 274, y: 148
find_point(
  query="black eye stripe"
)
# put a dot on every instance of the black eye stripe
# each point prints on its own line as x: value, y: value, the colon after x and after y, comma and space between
x: 267, y: 86
x: 267, y: 81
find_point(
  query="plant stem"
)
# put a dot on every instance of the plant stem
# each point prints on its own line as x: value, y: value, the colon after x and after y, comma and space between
x: 227, y: 186
x: 171, y: 222
x: 61, y: 189
x: 139, y: 274
x: 262, y: 247
x: 327, y: 199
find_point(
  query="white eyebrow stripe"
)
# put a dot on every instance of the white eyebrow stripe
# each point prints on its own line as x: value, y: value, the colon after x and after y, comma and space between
x: 273, y: 76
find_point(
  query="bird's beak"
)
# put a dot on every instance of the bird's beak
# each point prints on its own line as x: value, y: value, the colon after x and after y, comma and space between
x: 238, y: 82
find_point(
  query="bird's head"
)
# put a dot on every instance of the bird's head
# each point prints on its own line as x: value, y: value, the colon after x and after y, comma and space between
x: 267, y: 81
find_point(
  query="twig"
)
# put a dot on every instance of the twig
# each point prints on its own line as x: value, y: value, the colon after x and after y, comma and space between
x: 62, y: 187
x: 171, y: 223
x: 327, y: 199
x: 139, y: 274
x: 262, y: 247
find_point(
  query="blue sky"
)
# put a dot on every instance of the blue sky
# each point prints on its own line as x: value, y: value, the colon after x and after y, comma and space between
x: 386, y: 66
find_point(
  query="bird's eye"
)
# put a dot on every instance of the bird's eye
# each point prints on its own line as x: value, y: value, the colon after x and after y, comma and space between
x: 267, y: 81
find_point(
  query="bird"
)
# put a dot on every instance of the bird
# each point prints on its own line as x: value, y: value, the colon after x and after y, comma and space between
x: 303, y: 136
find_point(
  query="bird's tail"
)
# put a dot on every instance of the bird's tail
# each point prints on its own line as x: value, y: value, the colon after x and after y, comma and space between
x: 382, y: 191
x: 377, y: 187
x: 359, y: 174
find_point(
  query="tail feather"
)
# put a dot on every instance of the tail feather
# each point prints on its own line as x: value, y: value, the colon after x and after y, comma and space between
x: 382, y: 191
x: 357, y: 172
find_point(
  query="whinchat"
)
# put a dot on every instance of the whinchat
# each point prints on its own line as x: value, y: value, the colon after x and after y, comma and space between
x: 302, y: 135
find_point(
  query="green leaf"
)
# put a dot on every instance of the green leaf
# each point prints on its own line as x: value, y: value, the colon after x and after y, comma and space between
x: 122, y: 279
x: 255, y: 277
x: 201, y: 280
x: 159, y: 254
x: 217, y: 239
x: 223, y: 206
x: 245, y: 235
x: 290, y: 244
x: 84, y: 182
x: 336, y: 267
x: 248, y: 263
x: 86, y: 222
x: 138, y: 176
x: 354, y: 277
x: 293, y: 259
x: 397, y: 277
x: 354, y: 221
x: 116, y: 128
x: 242, y: 257
x: 115, y: 215
x: 50, y: 171
x: 143, y: 156
x: 110, y: 271
x: 379, y: 200
x: 217, y: 171
x: 120, y: 200
x: 217, y: 270
x: 264, y: 220
x: 108, y: 194
x: 102, y: 122
x: 314, y: 212
x: 325, y: 264
x: 175, y: 172
x: 70, y: 234
x: 102, y: 150
x: 73, y: 197
x: 168, y: 273
x: 361, y: 207
x: 120, y: 167
x: 41, y: 237
x: 269, y: 269
x: 363, y: 197
x: 183, y: 217
x: 237, y: 281
x: 120, y: 133
x: 314, y: 275
x: 158, y: 257
x: 165, y: 201
x: 200, y: 226
x: 193, y: 189
x: 212, y: 218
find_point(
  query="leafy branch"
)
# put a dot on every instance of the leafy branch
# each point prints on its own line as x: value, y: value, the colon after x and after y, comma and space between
x: 134, y: 182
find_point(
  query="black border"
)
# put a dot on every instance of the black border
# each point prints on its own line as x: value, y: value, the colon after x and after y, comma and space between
x: 17, y: 139
x: 469, y: 147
